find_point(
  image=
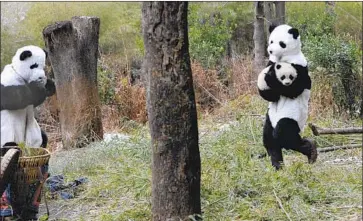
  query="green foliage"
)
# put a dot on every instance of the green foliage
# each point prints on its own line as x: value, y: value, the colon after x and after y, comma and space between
x: 119, y: 30
x: 208, y: 34
x: 342, y: 59
x: 349, y: 20
x: 120, y: 22
x: 236, y: 185
x: 211, y: 26
x: 106, y: 86
x: 310, y: 18
x: 7, y: 50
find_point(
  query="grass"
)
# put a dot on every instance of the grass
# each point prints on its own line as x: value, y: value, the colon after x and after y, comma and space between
x: 236, y: 185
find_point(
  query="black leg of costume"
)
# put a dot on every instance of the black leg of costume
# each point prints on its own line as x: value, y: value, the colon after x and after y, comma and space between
x: 271, y: 145
x: 287, y: 134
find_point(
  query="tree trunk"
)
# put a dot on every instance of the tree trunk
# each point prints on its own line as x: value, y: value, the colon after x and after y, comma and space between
x: 280, y: 13
x: 259, y: 38
x: 330, y: 8
x: 268, y: 11
x: 73, y: 51
x: 172, y: 112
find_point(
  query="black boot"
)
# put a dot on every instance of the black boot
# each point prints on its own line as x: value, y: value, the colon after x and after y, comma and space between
x: 311, y: 146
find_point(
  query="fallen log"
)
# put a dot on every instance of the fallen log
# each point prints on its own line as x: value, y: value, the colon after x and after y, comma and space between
x: 321, y: 131
x: 345, y: 147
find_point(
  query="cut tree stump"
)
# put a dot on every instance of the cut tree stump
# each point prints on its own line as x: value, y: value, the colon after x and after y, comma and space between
x: 73, y: 51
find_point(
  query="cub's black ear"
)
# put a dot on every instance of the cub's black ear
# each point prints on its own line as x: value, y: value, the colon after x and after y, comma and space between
x: 271, y: 28
x: 25, y: 54
x: 294, y: 32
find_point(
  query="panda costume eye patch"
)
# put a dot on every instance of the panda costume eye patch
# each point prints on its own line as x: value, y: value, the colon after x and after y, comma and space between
x: 283, y: 78
x: 282, y: 44
x: 34, y: 66
x: 291, y: 77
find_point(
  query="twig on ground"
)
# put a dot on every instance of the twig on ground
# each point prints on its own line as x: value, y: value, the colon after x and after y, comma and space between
x: 345, y: 147
x: 281, y: 206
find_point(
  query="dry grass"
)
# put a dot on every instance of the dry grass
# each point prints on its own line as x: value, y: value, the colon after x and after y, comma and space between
x: 322, y: 98
x: 235, y: 184
x: 238, y: 78
x: 130, y: 104
x: 242, y: 79
x: 80, y: 114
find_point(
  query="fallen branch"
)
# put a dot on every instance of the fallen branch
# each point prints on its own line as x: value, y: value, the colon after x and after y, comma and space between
x: 281, y: 206
x: 320, y: 131
x: 328, y: 149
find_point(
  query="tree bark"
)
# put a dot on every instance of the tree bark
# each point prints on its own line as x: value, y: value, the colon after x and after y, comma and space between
x: 259, y: 38
x: 176, y: 166
x: 268, y: 11
x: 320, y: 131
x: 279, y: 13
x: 334, y: 148
x: 330, y: 8
x: 73, y: 51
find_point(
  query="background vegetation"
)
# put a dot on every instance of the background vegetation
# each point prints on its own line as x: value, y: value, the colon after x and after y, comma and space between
x: 221, y: 36
x: 235, y: 184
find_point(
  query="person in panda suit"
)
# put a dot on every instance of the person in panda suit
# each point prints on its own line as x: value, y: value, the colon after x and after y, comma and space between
x: 286, y: 84
x: 23, y: 87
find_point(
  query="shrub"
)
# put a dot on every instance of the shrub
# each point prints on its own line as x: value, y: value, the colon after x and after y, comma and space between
x: 342, y: 61
x: 212, y: 27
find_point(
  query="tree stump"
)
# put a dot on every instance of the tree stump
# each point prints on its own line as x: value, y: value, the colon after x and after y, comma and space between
x: 73, y: 51
x: 176, y: 166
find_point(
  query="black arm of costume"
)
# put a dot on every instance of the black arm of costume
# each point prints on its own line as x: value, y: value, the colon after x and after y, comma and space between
x: 38, y: 91
x: 50, y: 87
x: 270, y: 63
x: 15, y: 97
x: 272, y: 94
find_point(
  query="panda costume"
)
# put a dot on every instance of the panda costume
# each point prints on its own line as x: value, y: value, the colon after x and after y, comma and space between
x: 23, y: 87
x: 286, y: 84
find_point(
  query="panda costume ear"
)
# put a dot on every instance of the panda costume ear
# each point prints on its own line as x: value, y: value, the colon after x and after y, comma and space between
x: 271, y: 28
x: 294, y: 32
x: 25, y: 54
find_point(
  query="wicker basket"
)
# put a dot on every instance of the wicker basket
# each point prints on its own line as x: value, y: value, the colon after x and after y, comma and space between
x: 30, y: 166
x: 38, y: 157
x: 29, y: 169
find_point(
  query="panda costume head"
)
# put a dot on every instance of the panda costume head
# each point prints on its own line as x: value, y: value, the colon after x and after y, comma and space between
x: 29, y: 62
x: 23, y: 87
x: 284, y: 45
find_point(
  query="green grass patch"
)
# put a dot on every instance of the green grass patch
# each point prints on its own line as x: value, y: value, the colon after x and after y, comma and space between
x: 236, y: 185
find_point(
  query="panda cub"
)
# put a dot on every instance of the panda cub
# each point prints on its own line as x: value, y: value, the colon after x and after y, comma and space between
x: 285, y: 46
x: 287, y: 116
x: 23, y: 87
